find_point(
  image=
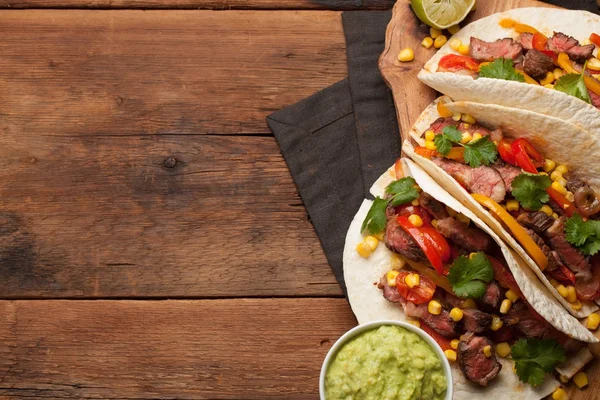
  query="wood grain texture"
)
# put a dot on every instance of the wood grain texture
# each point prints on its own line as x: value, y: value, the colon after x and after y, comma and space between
x: 158, y: 216
x: 218, y: 349
x: 205, y: 4
x: 161, y: 72
x: 411, y: 96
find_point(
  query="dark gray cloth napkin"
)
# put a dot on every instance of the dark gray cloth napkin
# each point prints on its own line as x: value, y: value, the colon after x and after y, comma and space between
x: 340, y: 140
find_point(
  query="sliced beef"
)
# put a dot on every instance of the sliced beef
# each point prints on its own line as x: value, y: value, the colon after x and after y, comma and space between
x: 481, y: 50
x: 492, y: 297
x: 439, y: 124
x: 470, y: 239
x: 521, y: 318
x: 390, y: 293
x: 537, y: 220
x: 507, y: 172
x: 537, y: 64
x: 448, y: 300
x: 476, y: 321
x: 555, y: 265
x: 496, y: 135
x: 561, y: 43
x: 483, y: 180
x: 526, y: 40
x: 432, y: 206
x: 442, y: 323
x: 573, y: 182
x: 581, y: 53
x: 569, y: 254
x: 476, y: 367
x: 595, y: 99
x: 399, y: 241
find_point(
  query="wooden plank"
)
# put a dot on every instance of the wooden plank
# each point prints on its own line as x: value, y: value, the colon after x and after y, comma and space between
x: 154, y: 216
x: 205, y: 4
x: 219, y: 349
x: 139, y: 72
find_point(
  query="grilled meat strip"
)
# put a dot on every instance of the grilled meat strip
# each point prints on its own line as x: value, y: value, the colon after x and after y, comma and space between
x: 507, y: 172
x: 537, y: 220
x: 492, y: 297
x: 470, y: 239
x: 569, y: 254
x: 526, y: 40
x: 442, y: 323
x: 521, y: 318
x: 432, y: 206
x: 475, y: 321
x: 399, y: 241
x: 561, y: 43
x: 537, y: 64
x: 481, y: 50
x: 476, y: 367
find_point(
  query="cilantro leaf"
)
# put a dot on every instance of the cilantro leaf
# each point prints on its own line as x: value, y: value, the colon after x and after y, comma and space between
x: 530, y: 190
x: 375, y: 220
x: 585, y: 235
x: 443, y: 143
x: 501, y: 68
x: 469, y: 276
x: 536, y: 357
x: 574, y: 85
x: 403, y: 191
x: 481, y: 151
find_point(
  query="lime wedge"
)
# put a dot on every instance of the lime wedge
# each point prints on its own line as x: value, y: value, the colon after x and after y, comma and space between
x: 442, y: 14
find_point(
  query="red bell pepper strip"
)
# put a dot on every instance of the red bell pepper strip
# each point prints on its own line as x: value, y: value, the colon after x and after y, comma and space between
x: 563, y: 274
x: 539, y: 41
x: 506, y: 152
x: 595, y: 39
x: 426, y: 240
x: 567, y: 206
x: 526, y: 156
x: 453, y: 63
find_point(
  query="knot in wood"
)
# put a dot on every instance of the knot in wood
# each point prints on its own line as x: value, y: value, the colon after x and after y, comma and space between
x: 170, y: 162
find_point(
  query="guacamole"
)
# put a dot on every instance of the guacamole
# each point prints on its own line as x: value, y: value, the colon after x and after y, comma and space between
x: 388, y: 362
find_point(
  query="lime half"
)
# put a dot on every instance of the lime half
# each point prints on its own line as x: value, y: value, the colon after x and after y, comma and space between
x: 442, y: 14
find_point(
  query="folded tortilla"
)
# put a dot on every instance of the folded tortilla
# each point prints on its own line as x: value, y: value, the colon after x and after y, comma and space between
x: 579, y: 24
x: 559, y: 139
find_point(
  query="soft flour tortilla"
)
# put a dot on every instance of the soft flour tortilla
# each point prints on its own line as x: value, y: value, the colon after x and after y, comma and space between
x: 579, y: 24
x: 544, y: 132
x: 368, y: 304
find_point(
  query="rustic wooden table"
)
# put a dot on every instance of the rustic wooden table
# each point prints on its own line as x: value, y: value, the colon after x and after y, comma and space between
x: 152, y: 242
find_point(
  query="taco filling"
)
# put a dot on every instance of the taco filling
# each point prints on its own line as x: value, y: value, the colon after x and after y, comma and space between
x: 457, y: 286
x: 558, y: 62
x: 551, y: 212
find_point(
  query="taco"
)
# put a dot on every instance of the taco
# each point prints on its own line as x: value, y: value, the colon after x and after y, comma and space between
x: 527, y: 58
x: 443, y: 268
x: 532, y: 178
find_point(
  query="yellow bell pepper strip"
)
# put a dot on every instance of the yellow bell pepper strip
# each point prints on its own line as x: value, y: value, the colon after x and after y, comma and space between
x: 565, y: 63
x: 443, y: 111
x: 439, y: 280
x: 528, y: 79
x: 517, y: 26
x: 517, y: 230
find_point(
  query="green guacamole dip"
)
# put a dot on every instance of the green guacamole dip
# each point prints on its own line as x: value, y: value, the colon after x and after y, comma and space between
x: 388, y: 362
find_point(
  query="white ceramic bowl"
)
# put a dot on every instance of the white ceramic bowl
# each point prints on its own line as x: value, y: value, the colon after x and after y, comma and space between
x: 375, y: 324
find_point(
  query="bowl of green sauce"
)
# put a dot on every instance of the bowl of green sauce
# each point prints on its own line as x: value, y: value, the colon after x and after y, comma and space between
x: 385, y: 360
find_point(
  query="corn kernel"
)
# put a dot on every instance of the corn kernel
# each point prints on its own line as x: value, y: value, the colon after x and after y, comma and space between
x: 560, y: 394
x: 406, y: 55
x: 505, y: 306
x: 469, y: 303
x: 415, y: 220
x: 457, y: 116
x: 435, y: 32
x: 557, y: 73
x: 434, y: 223
x: 391, y: 277
x: 430, y: 145
x: 580, y: 379
x: 546, y: 209
x: 468, y: 119
x: 555, y: 215
x: 455, y: 28
x: 477, y: 136
x: 455, y: 44
x: 512, y: 205
x: 496, y: 323
x: 372, y: 242
x: 563, y: 182
x: 553, y: 282
x: 593, y: 321
x: 412, y: 280
x: 548, y: 79
x: 454, y: 343
x: 427, y: 42
x: 576, y: 305
x: 594, y: 63
x: 503, y: 349
x: 430, y: 135
x: 555, y: 175
x: 570, y: 196
x: 549, y: 165
x: 466, y: 138
x: 571, y: 295
x: 440, y: 41
x: 463, y: 218
x: 549, y: 86
x: 415, y: 322
x: 397, y: 262
x: 563, y: 169
x: 450, y: 355
x: 463, y: 49
x: 472, y: 256
x: 559, y: 188
x: 512, y: 296
x: 434, y: 307
x: 562, y: 291
x: 363, y: 249
x: 487, y: 350
x: 415, y: 202
x: 456, y: 314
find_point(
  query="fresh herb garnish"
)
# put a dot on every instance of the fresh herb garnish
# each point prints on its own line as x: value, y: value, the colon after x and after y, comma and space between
x: 469, y: 276
x: 585, y: 235
x: 481, y: 151
x: 375, y: 220
x: 536, y: 357
x: 574, y: 85
x: 501, y: 68
x: 530, y: 190
x: 403, y: 191
x: 443, y: 143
